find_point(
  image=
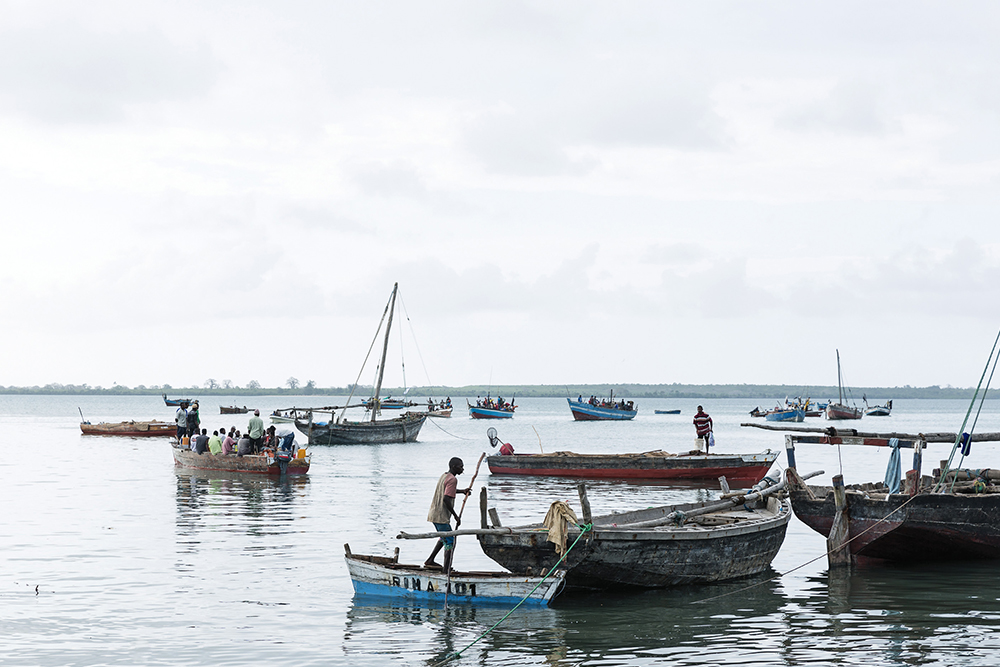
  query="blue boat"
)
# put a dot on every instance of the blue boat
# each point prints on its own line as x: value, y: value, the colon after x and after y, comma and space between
x: 490, y: 409
x: 791, y: 415
x: 386, y: 577
x: 606, y: 410
x: 175, y: 402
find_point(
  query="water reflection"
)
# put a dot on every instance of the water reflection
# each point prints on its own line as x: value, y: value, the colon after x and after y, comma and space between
x: 255, y: 505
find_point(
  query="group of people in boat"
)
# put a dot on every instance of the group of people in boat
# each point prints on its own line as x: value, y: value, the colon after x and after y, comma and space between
x: 498, y: 404
x: 252, y: 441
x: 443, y: 405
x: 611, y: 405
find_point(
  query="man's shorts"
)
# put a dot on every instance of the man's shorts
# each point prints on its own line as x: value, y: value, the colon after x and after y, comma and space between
x: 449, y: 541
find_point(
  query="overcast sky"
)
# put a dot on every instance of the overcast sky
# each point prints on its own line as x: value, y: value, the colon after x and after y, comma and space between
x: 648, y: 192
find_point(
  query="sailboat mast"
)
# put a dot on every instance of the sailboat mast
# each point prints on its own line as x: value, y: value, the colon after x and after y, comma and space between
x: 840, y: 383
x: 385, y: 348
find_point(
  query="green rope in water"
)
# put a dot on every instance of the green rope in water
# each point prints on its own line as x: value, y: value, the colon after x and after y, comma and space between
x: 458, y: 654
x: 972, y: 404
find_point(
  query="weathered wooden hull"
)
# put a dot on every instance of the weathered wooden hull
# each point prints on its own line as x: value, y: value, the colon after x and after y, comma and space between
x: 785, y: 416
x: 736, y: 467
x: 587, y: 412
x: 612, y: 556
x: 257, y: 464
x: 383, y: 577
x: 931, y: 527
x: 486, y: 413
x: 877, y: 411
x: 444, y: 412
x: 223, y: 410
x: 131, y: 429
x: 384, y: 431
x: 840, y: 411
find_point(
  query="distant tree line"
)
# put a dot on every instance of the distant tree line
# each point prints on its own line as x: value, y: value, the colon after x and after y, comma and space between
x: 293, y: 387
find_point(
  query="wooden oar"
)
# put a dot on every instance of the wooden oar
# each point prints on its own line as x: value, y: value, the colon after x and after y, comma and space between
x: 454, y: 545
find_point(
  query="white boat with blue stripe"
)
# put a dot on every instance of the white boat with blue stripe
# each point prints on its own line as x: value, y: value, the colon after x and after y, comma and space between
x: 386, y: 577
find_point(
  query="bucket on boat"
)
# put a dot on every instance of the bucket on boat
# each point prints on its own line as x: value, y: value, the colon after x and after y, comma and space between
x: 301, y: 454
x: 186, y: 442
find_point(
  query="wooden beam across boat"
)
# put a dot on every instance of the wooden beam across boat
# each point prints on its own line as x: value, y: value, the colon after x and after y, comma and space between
x: 836, y: 436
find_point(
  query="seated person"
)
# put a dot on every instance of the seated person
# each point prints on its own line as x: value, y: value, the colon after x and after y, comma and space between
x: 229, y: 443
x: 506, y: 449
x: 200, y: 442
x: 215, y: 443
x: 243, y: 447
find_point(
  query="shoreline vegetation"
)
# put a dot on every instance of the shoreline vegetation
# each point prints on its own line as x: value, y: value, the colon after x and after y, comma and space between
x: 633, y: 391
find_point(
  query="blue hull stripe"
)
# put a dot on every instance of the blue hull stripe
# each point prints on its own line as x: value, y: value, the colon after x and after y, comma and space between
x: 400, y: 593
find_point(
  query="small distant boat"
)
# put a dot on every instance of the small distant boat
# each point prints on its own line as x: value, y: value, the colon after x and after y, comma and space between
x: 388, y: 404
x: 878, y: 410
x: 386, y: 577
x: 257, y: 464
x: 490, y: 409
x: 595, y: 410
x: 647, y: 465
x: 839, y: 410
x: 131, y: 428
x: 233, y: 410
x: 667, y: 412
x: 790, y: 415
x: 176, y: 402
x: 439, y: 412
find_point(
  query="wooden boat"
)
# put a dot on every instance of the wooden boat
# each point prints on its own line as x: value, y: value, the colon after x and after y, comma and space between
x: 344, y: 432
x: 233, y: 410
x: 749, y: 468
x: 388, y: 404
x: 839, y: 410
x: 481, y: 412
x: 339, y: 431
x: 176, y: 402
x: 605, y: 411
x: 651, y: 548
x: 925, y: 521
x: 667, y: 412
x: 386, y: 577
x: 257, y: 464
x: 439, y: 412
x: 131, y: 428
x: 790, y: 415
x: 878, y: 410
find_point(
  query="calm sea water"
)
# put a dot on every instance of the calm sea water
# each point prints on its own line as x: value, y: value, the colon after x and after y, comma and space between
x: 111, y: 556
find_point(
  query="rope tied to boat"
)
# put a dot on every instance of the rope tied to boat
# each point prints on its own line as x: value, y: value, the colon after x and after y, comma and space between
x: 584, y: 529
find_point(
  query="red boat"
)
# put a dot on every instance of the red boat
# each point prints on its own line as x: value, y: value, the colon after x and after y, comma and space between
x: 648, y: 465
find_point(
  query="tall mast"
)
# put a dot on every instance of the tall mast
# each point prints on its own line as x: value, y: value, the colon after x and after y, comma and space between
x: 840, y: 384
x: 385, y: 347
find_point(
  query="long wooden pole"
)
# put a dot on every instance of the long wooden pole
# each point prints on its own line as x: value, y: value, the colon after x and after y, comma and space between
x: 385, y: 347
x: 454, y: 546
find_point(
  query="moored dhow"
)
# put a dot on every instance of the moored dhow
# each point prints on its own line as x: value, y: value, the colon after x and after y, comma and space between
x: 651, y: 548
x: 950, y: 515
x: 346, y: 432
x: 646, y: 465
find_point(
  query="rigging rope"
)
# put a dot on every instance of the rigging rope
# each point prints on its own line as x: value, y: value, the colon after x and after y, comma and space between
x: 371, y: 347
x: 414, y: 333
x: 958, y: 437
x: 458, y: 654
x: 434, y: 421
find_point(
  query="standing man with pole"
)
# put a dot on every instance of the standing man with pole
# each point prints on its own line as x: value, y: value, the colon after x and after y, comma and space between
x: 443, y: 508
x: 703, y: 428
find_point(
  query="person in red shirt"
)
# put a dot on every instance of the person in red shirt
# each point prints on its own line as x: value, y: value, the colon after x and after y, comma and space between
x: 443, y: 508
x: 703, y: 426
